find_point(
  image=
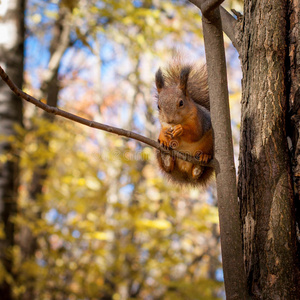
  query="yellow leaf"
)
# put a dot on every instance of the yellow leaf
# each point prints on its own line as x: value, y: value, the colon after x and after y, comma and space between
x: 156, y: 224
x: 36, y: 18
x: 92, y: 183
x: 98, y: 235
x: 2, y: 233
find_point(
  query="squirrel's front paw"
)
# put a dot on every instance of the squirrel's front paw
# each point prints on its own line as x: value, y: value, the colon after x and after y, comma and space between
x: 177, y: 130
x: 164, y: 140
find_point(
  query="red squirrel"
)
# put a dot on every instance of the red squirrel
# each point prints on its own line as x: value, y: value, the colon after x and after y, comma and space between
x: 183, y: 105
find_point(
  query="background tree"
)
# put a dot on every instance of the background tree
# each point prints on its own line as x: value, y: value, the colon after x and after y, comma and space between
x: 11, y: 58
x: 60, y: 29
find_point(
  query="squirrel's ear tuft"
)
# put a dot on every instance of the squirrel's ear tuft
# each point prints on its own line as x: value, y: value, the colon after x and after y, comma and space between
x: 159, y: 80
x: 184, y: 76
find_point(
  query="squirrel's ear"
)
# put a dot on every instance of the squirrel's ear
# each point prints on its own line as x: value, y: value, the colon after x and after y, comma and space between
x: 159, y: 80
x: 184, y: 76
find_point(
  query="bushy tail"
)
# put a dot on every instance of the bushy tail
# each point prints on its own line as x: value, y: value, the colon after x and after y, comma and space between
x: 197, y: 85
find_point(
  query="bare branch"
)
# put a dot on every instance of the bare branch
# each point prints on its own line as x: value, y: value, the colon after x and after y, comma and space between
x: 231, y: 239
x: 229, y: 24
x: 111, y: 129
x: 59, y: 52
x: 209, y: 5
x: 237, y: 13
x: 228, y: 21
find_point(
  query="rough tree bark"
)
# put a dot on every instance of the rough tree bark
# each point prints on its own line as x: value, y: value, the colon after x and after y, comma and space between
x: 294, y: 97
x: 11, y: 58
x: 265, y: 182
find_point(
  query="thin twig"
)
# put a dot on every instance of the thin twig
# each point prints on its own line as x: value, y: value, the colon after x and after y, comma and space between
x: 111, y: 129
x: 237, y: 13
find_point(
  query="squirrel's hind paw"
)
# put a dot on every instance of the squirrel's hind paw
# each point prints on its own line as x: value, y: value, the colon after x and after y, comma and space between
x: 197, y: 171
x: 167, y: 162
x: 164, y: 143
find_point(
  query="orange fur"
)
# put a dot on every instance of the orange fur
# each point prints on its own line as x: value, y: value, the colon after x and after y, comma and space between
x: 185, y: 123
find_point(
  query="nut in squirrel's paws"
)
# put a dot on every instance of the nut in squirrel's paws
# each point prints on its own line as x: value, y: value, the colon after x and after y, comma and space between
x: 177, y: 130
x: 202, y: 157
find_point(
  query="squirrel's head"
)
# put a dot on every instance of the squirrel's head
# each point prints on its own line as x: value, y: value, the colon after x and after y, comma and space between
x: 173, y: 102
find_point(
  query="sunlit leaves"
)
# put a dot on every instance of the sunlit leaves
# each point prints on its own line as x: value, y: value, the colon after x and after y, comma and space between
x: 91, y: 230
x: 146, y: 224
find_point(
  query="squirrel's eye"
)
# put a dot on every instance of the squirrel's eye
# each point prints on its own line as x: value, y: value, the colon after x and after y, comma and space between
x: 180, y: 103
x: 158, y: 107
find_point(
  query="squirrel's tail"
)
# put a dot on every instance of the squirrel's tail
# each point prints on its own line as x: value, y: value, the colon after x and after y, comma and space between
x: 197, y: 83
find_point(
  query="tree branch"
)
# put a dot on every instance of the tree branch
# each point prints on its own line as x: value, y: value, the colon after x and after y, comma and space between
x: 60, y: 48
x: 228, y: 21
x: 209, y: 5
x: 229, y: 24
x: 231, y: 239
x: 111, y: 129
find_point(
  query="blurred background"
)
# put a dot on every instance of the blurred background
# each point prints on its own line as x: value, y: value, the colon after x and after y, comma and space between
x: 95, y: 218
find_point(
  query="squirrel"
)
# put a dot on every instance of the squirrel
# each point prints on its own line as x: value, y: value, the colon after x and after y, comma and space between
x: 184, y: 115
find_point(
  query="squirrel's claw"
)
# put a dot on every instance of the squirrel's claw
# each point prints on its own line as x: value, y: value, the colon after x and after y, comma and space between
x: 177, y: 130
x: 164, y: 140
x: 164, y: 143
x: 205, y: 158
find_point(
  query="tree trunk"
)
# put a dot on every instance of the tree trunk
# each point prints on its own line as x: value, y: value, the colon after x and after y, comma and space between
x: 49, y: 90
x: 11, y: 59
x: 265, y: 182
x: 294, y: 97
